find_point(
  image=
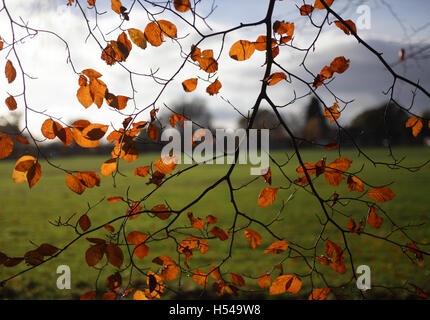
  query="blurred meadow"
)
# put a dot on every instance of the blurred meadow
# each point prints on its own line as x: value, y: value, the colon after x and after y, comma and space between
x: 25, y: 216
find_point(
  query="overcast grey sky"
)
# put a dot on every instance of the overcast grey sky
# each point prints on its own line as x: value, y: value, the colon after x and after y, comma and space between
x: 400, y: 24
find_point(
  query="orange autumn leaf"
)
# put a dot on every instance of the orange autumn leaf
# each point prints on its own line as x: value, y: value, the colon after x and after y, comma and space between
x: 34, y: 174
x: 133, y: 210
x: 95, y: 131
x: 331, y: 146
x: 275, y: 78
x: 214, y: 87
x: 85, y: 222
x: 20, y: 140
x: 141, y: 171
x: 84, y: 96
x: 350, y: 23
x: 138, y: 37
x: 196, y: 223
x: 155, y: 31
x: 6, y: 146
x: 373, y: 219
x: 22, y: 166
x: 89, y: 179
x: 382, y: 194
x: 11, y: 103
x: 74, y: 184
x: 355, y: 184
x: 205, y: 59
x: 10, y: 71
x: 140, y: 295
x: 253, y: 237
x: 91, y: 295
x: 267, y: 196
x: 264, y: 281
x: 260, y: 43
x: 182, y: 5
x: 238, y: 279
x: 319, y: 294
x: 95, y: 254
x: 166, y: 164
x: 242, y: 50
x: 277, y: 247
x: 190, y: 85
x: 339, y: 64
x: 114, y: 255
x: 200, y: 277
x: 336, y: 255
x: 170, y: 270
x: 115, y: 199
x: 306, y: 9
x: 153, y: 132
x: 108, y: 227
x: 78, y: 127
x: 161, y: 212
x: 210, y: 219
x: 215, y: 273
x: 108, y: 167
x: 416, y: 124
x: 282, y: 27
x: 219, y: 233
x: 319, y: 5
x: 174, y: 119
x: 286, y: 283
x: 116, y: 6
x: 332, y: 113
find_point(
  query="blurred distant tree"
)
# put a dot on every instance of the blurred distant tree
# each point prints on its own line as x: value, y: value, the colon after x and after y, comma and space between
x: 381, y: 126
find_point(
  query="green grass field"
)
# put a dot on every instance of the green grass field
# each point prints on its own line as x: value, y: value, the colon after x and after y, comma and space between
x: 25, y: 216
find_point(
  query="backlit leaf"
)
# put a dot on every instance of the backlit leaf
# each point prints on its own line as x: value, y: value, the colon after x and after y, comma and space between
x: 214, y: 87
x: 138, y: 37
x: 373, y: 219
x: 286, y: 283
x: 319, y: 294
x: 242, y: 50
x: 11, y: 103
x: 277, y: 247
x: 382, y: 194
x: 190, y: 85
x: 253, y: 237
x: 182, y: 5
x: 267, y: 196
x: 10, y: 71
x: 74, y: 184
